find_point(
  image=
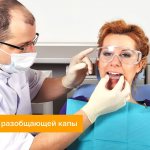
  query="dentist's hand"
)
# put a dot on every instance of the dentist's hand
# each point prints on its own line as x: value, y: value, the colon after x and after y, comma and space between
x: 104, y: 101
x: 79, y: 66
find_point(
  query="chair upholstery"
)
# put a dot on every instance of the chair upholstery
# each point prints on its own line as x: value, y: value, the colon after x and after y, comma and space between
x: 140, y: 93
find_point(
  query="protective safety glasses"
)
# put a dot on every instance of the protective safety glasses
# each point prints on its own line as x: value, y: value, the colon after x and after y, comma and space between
x: 125, y: 55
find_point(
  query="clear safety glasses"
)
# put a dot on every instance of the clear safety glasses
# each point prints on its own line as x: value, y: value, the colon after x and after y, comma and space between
x: 125, y: 55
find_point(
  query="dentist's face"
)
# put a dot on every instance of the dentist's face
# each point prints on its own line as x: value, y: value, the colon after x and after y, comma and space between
x: 115, y: 68
x: 21, y: 34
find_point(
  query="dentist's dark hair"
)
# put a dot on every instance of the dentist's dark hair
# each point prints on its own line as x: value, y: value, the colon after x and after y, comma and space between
x: 6, y: 8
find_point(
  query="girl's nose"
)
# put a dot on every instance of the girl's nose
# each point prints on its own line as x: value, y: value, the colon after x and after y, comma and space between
x: 115, y: 61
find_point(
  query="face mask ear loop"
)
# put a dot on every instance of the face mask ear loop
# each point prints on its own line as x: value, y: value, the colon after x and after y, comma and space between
x: 4, y: 52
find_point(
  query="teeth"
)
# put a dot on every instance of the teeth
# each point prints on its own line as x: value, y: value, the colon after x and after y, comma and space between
x: 114, y: 73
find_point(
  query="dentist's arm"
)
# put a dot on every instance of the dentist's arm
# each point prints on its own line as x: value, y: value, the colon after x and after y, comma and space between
x: 53, y: 88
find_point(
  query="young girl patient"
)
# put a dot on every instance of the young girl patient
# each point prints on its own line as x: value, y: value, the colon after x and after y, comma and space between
x: 122, y: 51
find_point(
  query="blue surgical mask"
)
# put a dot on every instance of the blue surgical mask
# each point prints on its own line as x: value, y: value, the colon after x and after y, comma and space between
x: 19, y: 62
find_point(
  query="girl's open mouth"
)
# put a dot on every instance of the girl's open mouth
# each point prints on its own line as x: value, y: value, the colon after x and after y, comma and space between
x: 113, y: 79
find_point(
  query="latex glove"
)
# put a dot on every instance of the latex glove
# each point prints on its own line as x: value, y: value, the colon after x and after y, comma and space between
x: 104, y: 101
x: 79, y: 66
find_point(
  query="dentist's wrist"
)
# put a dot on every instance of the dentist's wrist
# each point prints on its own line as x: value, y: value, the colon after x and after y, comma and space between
x: 66, y: 84
x: 90, y: 112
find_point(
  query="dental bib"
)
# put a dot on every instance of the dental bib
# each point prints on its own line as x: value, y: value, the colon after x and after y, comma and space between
x: 125, y: 129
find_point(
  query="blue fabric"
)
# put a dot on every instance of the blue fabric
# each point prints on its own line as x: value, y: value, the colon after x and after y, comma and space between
x: 81, y: 98
x: 140, y: 93
x: 125, y: 129
x: 84, y: 90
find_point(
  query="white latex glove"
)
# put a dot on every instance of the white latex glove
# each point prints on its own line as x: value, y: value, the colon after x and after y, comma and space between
x: 79, y: 66
x: 104, y: 101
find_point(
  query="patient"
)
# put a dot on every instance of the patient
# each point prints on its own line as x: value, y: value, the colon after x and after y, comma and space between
x: 122, y: 50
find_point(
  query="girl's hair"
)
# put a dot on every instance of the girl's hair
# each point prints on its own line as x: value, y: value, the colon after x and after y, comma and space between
x: 122, y: 28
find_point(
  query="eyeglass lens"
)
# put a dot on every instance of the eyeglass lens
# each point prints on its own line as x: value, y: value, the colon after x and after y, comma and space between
x: 126, y: 56
x: 32, y: 43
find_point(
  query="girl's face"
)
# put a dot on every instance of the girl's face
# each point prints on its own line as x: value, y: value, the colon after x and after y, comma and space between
x: 116, y: 67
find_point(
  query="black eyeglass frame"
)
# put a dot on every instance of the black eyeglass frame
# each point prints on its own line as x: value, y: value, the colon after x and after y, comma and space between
x: 25, y: 45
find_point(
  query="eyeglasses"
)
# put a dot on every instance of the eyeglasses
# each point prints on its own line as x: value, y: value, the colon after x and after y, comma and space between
x: 125, y: 55
x: 23, y: 47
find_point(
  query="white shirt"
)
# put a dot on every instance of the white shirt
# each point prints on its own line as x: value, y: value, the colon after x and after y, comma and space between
x: 16, y: 92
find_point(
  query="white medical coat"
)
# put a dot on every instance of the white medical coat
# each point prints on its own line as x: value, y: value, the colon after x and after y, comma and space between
x: 16, y: 92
